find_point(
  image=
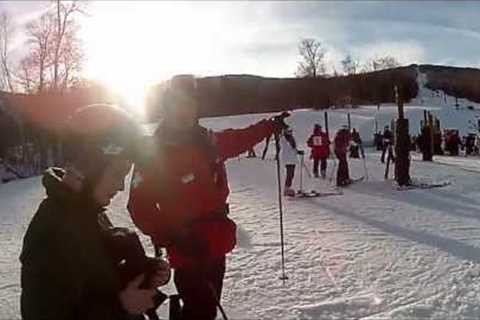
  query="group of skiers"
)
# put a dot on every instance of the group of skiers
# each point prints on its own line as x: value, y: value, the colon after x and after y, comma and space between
x: 450, y: 141
x: 319, y: 144
x: 384, y: 141
x: 77, y: 265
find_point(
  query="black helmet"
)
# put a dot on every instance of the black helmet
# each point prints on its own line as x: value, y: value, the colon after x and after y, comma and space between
x: 95, y: 134
x: 181, y: 91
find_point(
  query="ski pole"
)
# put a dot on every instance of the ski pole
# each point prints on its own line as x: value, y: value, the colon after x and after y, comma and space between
x: 265, y: 149
x: 283, y: 277
x: 365, y: 167
x: 301, y: 174
x: 333, y: 170
x: 306, y: 168
x: 387, y: 167
x: 217, y: 300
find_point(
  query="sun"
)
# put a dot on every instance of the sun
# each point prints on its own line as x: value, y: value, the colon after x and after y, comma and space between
x: 132, y: 45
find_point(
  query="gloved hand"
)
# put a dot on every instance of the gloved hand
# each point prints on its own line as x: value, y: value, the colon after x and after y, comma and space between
x: 160, y: 269
x: 135, y: 300
x: 279, y: 121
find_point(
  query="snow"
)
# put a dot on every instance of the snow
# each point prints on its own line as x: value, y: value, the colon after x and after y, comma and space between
x: 440, y: 105
x: 372, y: 253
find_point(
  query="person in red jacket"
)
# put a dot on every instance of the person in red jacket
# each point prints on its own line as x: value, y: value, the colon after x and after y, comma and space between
x: 342, y: 142
x: 320, y: 145
x: 179, y: 198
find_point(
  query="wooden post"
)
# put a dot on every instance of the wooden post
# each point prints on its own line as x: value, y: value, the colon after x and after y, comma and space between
x: 325, y: 118
x: 399, y: 102
x: 426, y: 138
x: 431, y: 124
x: 402, y: 144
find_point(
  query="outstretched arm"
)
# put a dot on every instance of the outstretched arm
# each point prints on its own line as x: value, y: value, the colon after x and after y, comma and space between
x: 233, y: 142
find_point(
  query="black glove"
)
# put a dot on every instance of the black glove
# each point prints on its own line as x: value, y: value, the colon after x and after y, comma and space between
x: 279, y: 120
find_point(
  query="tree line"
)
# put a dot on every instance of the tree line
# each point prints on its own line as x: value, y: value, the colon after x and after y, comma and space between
x: 53, y: 55
x: 313, y: 64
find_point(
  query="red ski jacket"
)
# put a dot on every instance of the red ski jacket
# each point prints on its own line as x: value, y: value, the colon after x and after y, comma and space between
x: 320, y: 144
x: 179, y: 198
x: 342, y: 141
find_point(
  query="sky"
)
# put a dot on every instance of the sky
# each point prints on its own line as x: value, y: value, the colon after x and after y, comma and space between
x: 131, y: 44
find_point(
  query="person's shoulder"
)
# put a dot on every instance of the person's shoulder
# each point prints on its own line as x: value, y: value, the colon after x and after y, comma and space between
x: 46, y: 228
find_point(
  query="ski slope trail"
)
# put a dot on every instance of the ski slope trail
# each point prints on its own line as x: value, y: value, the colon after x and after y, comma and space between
x: 372, y: 253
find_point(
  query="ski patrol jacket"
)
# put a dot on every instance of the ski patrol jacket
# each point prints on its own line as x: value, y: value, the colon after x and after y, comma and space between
x: 179, y: 196
x: 320, y: 144
x: 67, y: 272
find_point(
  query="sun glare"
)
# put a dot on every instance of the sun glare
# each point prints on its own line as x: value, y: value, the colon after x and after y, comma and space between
x: 131, y: 45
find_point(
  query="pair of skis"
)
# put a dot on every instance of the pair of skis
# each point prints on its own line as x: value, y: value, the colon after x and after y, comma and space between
x: 423, y: 185
x: 316, y: 194
x: 312, y: 193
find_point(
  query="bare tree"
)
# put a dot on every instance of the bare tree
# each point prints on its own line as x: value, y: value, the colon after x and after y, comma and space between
x: 63, y: 40
x: 25, y: 75
x: 38, y: 60
x: 381, y: 63
x: 70, y: 63
x: 386, y: 62
x: 55, y: 58
x: 312, y: 54
x: 350, y: 65
x: 6, y: 30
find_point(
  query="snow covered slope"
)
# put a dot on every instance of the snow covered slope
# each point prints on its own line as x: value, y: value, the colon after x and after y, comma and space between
x: 440, y: 105
x: 373, y: 253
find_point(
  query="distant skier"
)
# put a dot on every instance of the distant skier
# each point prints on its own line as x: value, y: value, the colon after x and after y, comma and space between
x: 289, y: 159
x: 387, y: 144
x: 319, y: 143
x: 452, y: 142
x: 356, y: 150
x: 470, y: 144
x: 4, y: 175
x: 377, y: 140
x: 341, y: 143
x: 437, y: 143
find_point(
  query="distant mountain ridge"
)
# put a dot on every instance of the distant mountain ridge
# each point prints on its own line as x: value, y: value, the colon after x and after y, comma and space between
x: 455, y: 81
x: 244, y: 93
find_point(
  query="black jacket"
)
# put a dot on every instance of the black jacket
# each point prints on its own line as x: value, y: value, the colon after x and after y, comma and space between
x: 67, y: 273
